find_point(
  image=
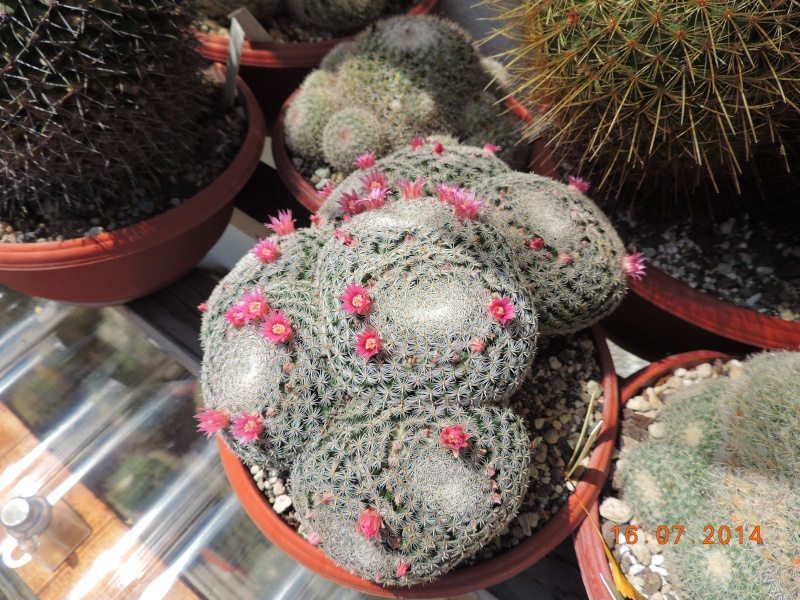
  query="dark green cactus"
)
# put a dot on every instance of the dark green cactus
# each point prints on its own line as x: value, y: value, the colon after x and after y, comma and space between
x: 337, y: 16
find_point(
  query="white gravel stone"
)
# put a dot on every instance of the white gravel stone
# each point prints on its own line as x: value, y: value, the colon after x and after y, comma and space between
x: 641, y: 551
x: 639, y: 404
x: 278, y: 488
x: 657, y: 430
x: 635, y: 570
x: 615, y: 510
x: 657, y: 560
x: 282, y: 502
x: 705, y: 370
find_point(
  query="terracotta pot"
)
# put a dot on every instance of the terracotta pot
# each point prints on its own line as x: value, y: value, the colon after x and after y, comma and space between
x: 460, y: 581
x: 274, y: 69
x: 541, y: 159
x: 118, y: 266
x: 588, y: 545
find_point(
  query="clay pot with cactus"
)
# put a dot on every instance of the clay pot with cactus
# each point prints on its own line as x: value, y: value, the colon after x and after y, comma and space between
x: 679, y: 113
x: 300, y: 34
x: 403, y: 78
x: 108, y: 124
x: 377, y: 357
x: 711, y: 490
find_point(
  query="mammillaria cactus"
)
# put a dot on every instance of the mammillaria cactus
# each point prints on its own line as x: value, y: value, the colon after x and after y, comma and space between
x: 729, y: 458
x: 338, y: 16
x: 415, y: 76
x: 97, y: 97
x: 403, y: 324
x: 660, y: 96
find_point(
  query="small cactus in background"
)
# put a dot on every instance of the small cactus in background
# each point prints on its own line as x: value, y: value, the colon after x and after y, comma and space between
x: 416, y: 76
x: 659, y: 97
x: 262, y: 10
x: 97, y: 97
x: 403, y: 324
x: 347, y: 134
x: 729, y: 459
x: 337, y: 16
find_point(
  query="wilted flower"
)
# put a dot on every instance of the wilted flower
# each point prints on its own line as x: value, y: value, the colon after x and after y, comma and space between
x: 369, y: 524
x: 211, y: 420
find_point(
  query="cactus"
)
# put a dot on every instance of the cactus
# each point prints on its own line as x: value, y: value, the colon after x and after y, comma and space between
x: 349, y: 133
x: 97, y: 97
x: 417, y: 76
x: 659, y: 97
x: 308, y: 114
x: 436, y: 505
x: 262, y: 10
x: 337, y: 16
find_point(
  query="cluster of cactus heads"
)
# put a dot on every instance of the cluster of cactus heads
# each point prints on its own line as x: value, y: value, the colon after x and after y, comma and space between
x: 401, y: 78
x: 730, y: 458
x: 660, y: 97
x: 96, y: 97
x: 373, y: 355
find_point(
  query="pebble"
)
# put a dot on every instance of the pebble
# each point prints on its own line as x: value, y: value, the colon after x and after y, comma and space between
x: 282, y: 502
x: 638, y: 583
x: 278, y: 488
x: 658, y: 430
x: 657, y: 559
x: 641, y: 551
x: 639, y: 404
x: 652, y: 582
x: 609, y: 536
x: 551, y: 436
x: 704, y: 370
x: 323, y: 173
x: 635, y: 569
x: 615, y: 510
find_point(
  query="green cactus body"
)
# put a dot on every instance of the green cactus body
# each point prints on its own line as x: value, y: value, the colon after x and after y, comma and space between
x: 487, y: 116
x: 350, y: 133
x: 437, y: 505
x: 337, y: 16
x: 96, y: 96
x: 308, y: 113
x: 566, y: 247
x: 657, y: 97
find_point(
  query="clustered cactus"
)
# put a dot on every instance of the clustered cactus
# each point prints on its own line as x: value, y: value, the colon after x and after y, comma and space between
x: 373, y: 354
x: 403, y: 77
x: 96, y: 97
x: 730, y: 458
x: 660, y: 97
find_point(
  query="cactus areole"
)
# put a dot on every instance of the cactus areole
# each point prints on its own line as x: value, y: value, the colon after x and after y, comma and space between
x: 413, y: 318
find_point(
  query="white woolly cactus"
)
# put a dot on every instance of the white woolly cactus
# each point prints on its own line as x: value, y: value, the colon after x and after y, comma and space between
x: 373, y: 355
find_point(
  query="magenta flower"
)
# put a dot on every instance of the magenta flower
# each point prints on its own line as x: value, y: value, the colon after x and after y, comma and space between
x: 267, y: 250
x: 447, y: 193
x: 255, y: 304
x: 477, y: 345
x: 237, y: 315
x: 454, y: 437
x: 351, y: 203
x: 326, y: 189
x: 316, y: 220
x: 490, y: 149
x: 203, y: 307
x: 417, y: 143
x: 564, y: 259
x: 375, y: 186
x: 438, y: 149
x: 369, y: 524
x: 368, y: 343
x: 411, y: 189
x: 536, y: 243
x: 314, y: 539
x: 276, y: 328
x: 576, y: 184
x: 365, y: 161
x: 502, y: 309
x: 211, y: 420
x: 247, y: 428
x: 401, y: 569
x: 467, y: 206
x: 375, y: 199
x: 355, y: 299
x: 283, y: 225
x: 633, y: 265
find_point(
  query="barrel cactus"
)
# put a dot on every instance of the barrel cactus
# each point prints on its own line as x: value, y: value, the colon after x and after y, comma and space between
x: 373, y: 355
x: 661, y: 97
x: 403, y: 77
x: 97, y: 97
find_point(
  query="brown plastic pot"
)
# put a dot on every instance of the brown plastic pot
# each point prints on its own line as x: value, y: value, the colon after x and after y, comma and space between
x: 460, y: 581
x: 588, y: 545
x: 118, y: 266
x: 541, y: 159
x: 274, y: 69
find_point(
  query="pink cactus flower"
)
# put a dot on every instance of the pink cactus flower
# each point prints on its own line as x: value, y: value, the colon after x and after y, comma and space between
x: 477, y: 345
x: 238, y: 315
x: 490, y: 149
x: 317, y: 220
x: 369, y: 524
x: 211, y: 420
x: 576, y: 184
x: 374, y: 179
x: 502, y: 309
x: 466, y: 205
x: 202, y: 307
x: 267, y: 250
x: 283, y: 225
x: 497, y: 498
x: 365, y: 161
x: 447, y: 193
x: 536, y: 243
x: 355, y: 300
x: 454, y: 437
x: 564, y: 259
x: 411, y: 189
x: 401, y: 569
x: 326, y: 498
x: 247, y: 428
x: 417, y: 143
x: 438, y: 149
x: 633, y: 265
x: 255, y: 303
x: 350, y: 203
x: 375, y: 199
x: 368, y: 343
x: 276, y: 328
x: 314, y: 539
x: 326, y: 190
